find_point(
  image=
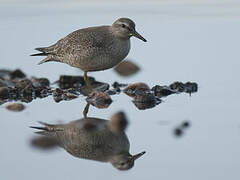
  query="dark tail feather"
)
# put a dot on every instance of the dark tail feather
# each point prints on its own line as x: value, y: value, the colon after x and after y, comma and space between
x: 40, y: 128
x: 43, y: 51
x: 47, y: 59
x: 39, y: 54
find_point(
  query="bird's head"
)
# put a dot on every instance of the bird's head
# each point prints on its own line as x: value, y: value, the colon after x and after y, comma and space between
x: 125, y: 28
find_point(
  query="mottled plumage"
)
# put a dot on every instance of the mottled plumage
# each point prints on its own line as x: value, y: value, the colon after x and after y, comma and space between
x: 93, y: 48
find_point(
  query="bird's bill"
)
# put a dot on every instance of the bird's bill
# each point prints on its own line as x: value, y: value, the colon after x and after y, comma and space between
x: 136, y: 156
x: 137, y: 35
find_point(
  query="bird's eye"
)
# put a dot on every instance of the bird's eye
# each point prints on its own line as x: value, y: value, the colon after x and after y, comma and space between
x: 123, y: 25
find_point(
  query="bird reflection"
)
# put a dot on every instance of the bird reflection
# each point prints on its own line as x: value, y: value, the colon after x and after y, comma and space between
x: 94, y: 139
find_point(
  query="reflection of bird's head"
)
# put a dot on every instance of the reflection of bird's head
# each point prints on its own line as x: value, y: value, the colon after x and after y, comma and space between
x: 125, y: 161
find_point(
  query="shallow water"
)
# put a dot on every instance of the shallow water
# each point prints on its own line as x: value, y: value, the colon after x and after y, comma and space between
x: 186, y: 42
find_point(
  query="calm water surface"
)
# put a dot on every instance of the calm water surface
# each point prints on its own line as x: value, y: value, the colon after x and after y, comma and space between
x: 197, y: 43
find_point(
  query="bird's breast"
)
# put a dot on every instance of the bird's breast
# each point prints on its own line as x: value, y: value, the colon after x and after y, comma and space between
x: 120, y: 49
x: 110, y: 56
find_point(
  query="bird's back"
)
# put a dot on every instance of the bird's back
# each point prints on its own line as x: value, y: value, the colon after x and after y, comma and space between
x: 90, y: 49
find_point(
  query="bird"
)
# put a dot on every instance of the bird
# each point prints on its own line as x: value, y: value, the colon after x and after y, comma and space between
x: 94, y: 139
x: 94, y: 48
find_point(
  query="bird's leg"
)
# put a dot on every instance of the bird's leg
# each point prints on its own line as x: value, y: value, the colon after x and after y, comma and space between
x: 85, y: 111
x: 87, y: 82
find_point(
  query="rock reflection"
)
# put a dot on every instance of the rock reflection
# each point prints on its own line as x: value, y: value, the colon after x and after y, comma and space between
x: 94, y: 139
x: 145, y: 105
x: 181, y: 128
x: 143, y: 97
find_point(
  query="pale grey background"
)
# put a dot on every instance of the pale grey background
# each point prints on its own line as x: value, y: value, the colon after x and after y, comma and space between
x: 186, y: 42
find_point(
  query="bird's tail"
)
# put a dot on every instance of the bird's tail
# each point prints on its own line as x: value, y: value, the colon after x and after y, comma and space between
x: 43, y: 50
x: 47, y: 59
x: 47, y: 129
x: 39, y: 54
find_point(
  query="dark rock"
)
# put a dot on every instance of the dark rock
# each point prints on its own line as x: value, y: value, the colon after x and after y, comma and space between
x: 143, y: 97
x: 66, y: 82
x: 22, y: 83
x: 4, y: 73
x: 111, y: 92
x: 2, y: 83
x: 162, y: 91
x: 132, y: 89
x: 97, y: 86
x: 41, y: 92
x: 40, y: 82
x: 28, y: 90
x: 24, y: 87
x: 145, y: 100
x: 59, y: 95
x: 69, y: 96
x: 44, y: 93
x: 99, y: 99
x: 26, y: 98
x: 191, y: 87
x: 101, y: 86
x: 75, y: 91
x: 17, y: 74
x: 144, y: 105
x: 188, y: 87
x: 14, y: 93
x: 185, y: 124
x: 180, y: 129
x: 6, y: 83
x: 118, y: 90
x: 4, y: 93
x: 177, y: 86
x: 2, y: 102
x: 58, y: 92
x: 118, y: 85
x: 178, y: 132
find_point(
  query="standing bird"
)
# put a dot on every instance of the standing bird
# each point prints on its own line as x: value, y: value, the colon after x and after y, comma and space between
x: 94, y: 139
x: 93, y: 48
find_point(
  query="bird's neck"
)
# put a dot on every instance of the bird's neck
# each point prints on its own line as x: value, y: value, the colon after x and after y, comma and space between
x: 115, y: 31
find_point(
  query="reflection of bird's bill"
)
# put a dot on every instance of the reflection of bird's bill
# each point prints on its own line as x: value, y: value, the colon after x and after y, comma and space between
x: 136, y: 156
x: 137, y: 35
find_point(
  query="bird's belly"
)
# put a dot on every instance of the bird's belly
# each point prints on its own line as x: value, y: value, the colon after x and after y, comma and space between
x: 105, y: 58
x: 103, y: 63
